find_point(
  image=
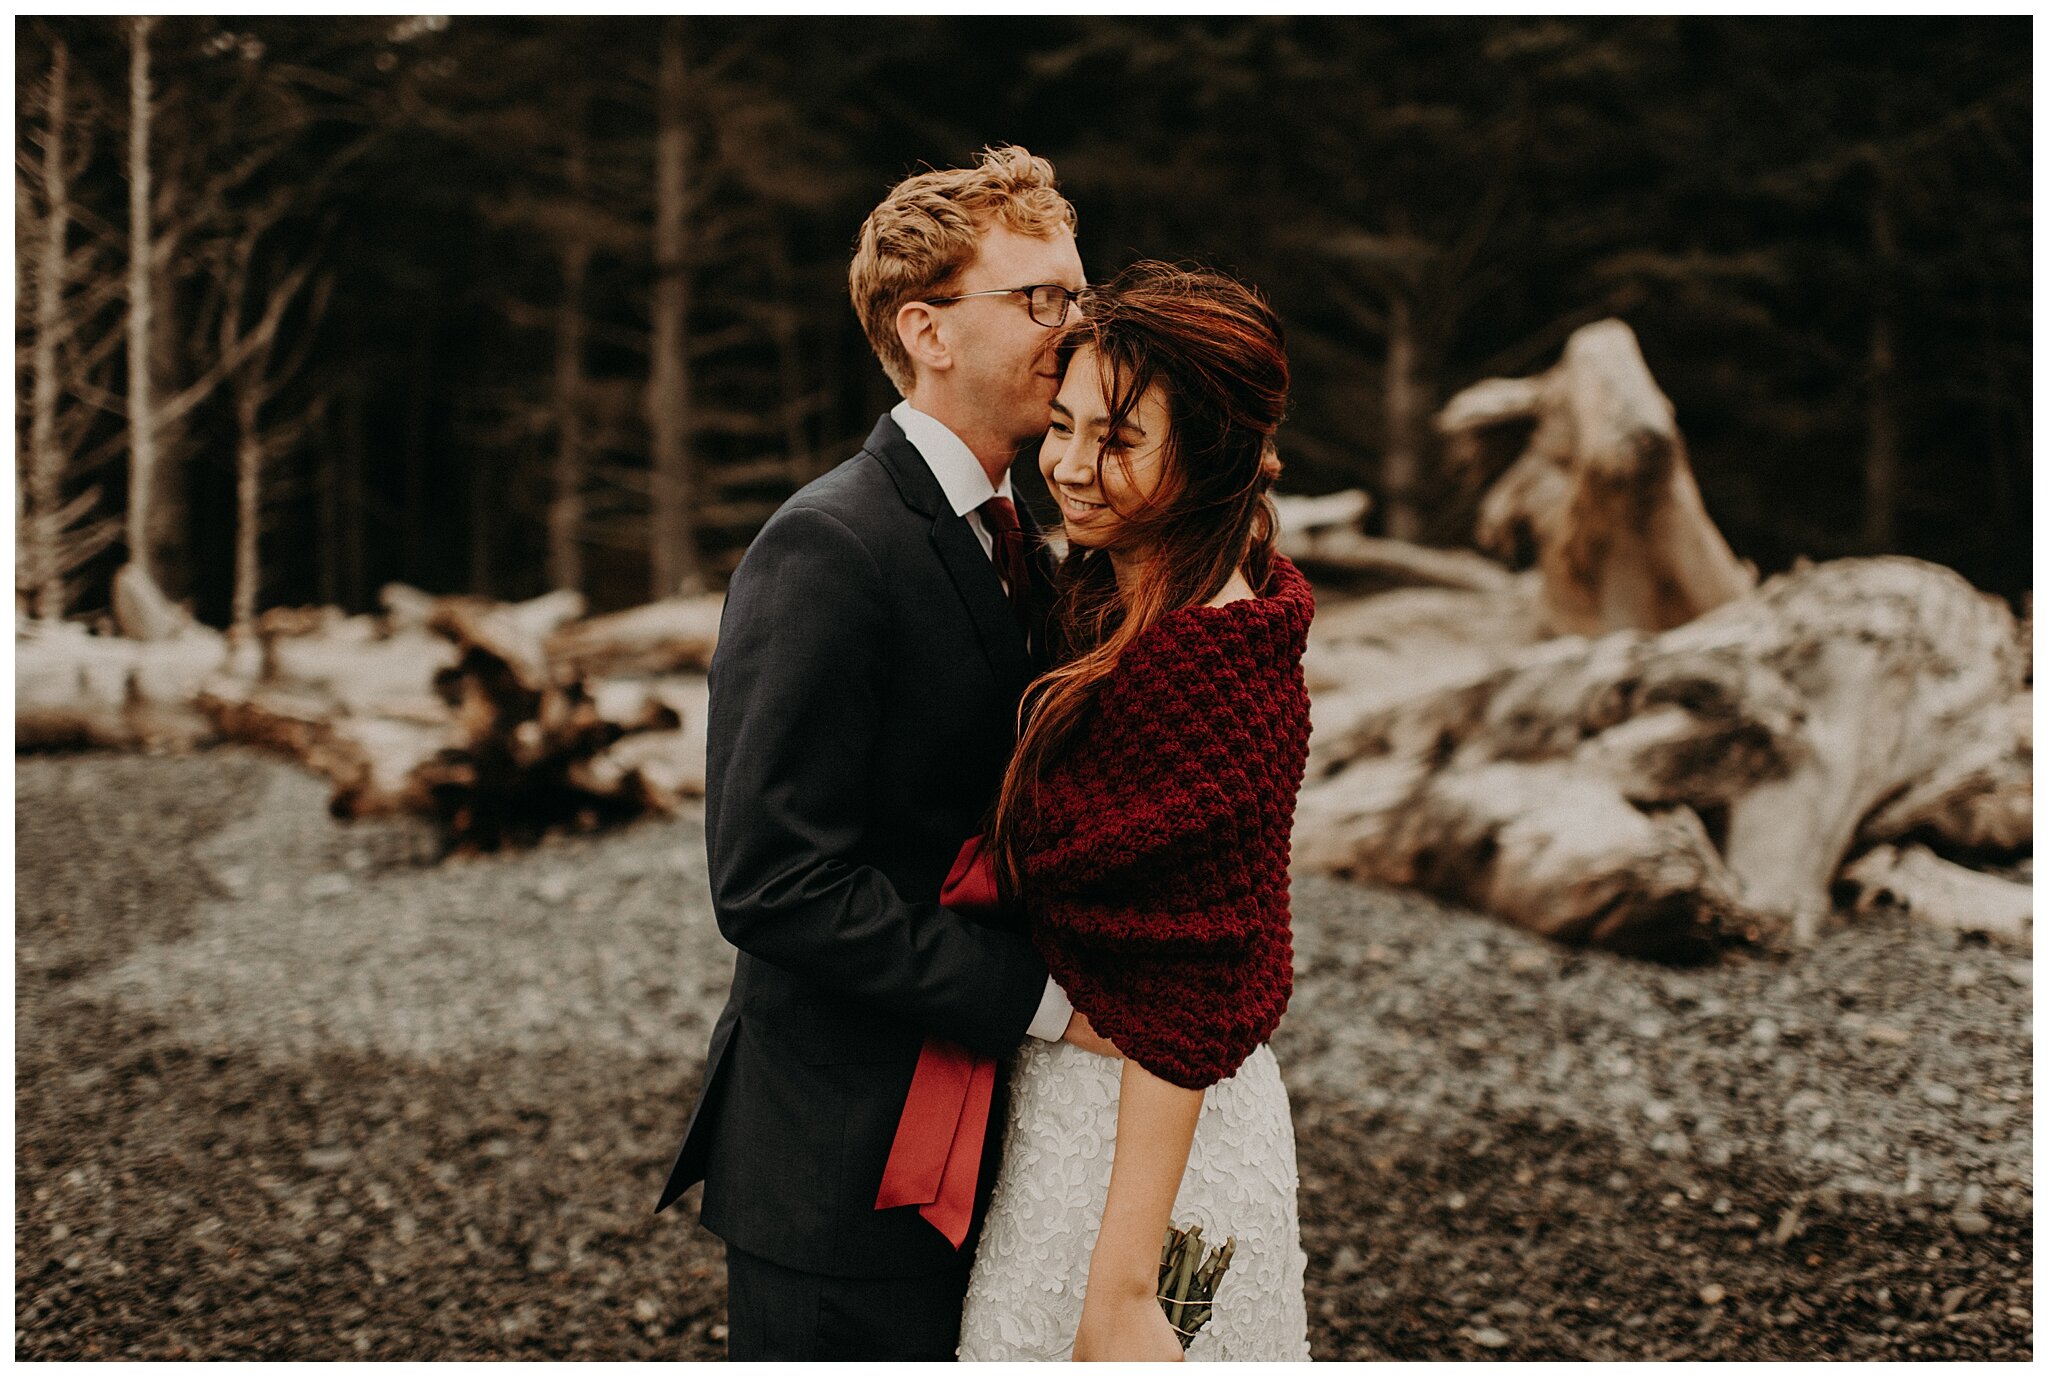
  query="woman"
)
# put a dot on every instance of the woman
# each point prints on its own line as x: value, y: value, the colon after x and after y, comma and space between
x: 1143, y: 826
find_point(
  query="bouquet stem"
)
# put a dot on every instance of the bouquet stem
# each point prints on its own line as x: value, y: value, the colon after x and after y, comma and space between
x: 1188, y: 1277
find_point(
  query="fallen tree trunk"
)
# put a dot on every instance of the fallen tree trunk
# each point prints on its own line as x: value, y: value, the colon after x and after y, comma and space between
x: 538, y: 746
x: 369, y: 670
x: 74, y: 689
x: 1662, y: 794
x: 666, y: 637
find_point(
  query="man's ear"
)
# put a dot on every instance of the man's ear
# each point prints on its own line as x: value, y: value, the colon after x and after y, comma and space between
x: 917, y: 326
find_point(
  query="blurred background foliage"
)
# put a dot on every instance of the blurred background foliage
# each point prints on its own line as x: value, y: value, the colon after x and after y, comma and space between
x: 1819, y: 229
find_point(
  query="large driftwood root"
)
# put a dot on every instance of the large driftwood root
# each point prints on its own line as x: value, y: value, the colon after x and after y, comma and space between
x: 527, y: 734
x: 1662, y: 794
x: 1602, y: 489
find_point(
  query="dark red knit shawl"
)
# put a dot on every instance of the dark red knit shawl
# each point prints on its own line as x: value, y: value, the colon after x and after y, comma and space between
x: 1155, y: 859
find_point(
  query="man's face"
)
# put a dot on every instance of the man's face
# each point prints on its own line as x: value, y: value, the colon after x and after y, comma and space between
x: 1003, y: 362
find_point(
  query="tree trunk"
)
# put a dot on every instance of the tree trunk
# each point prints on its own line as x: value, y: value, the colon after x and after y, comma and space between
x: 243, y: 383
x: 46, y: 465
x: 1881, y: 438
x: 784, y: 313
x: 1402, y: 465
x: 673, y: 563
x: 349, y: 496
x: 248, y: 510
x: 565, y: 508
x: 412, y: 517
x: 482, y: 523
x: 142, y: 436
x: 170, y: 537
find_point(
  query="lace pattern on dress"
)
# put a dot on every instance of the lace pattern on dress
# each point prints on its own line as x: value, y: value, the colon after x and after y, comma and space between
x: 1031, y: 1267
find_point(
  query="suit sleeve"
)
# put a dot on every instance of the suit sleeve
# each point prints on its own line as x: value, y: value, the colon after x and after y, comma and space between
x: 797, y: 688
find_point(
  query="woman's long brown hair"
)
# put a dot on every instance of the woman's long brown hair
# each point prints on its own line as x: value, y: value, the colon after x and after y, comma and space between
x: 1214, y: 348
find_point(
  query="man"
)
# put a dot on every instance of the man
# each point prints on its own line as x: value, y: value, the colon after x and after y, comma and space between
x: 863, y: 704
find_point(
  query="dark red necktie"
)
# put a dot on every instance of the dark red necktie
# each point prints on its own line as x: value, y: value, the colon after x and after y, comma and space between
x: 999, y: 519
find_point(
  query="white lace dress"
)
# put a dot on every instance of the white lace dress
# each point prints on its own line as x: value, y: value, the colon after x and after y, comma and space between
x: 1031, y: 1268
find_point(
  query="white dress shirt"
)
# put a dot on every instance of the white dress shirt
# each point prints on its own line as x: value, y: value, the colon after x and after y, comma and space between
x: 965, y: 483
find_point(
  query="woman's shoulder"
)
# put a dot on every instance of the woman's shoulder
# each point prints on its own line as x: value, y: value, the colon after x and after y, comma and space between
x: 1269, y: 627
x: 1237, y: 663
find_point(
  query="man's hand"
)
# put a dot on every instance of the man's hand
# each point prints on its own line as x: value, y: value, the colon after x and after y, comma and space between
x: 1082, y: 1034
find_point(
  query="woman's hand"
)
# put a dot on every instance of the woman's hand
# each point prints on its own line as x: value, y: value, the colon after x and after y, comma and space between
x: 1125, y: 1328
x: 1120, y: 1319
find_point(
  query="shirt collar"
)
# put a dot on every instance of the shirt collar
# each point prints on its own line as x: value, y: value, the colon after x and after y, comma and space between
x: 961, y: 476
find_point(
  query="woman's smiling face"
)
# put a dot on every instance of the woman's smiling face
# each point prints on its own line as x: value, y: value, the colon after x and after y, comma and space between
x: 1099, y: 478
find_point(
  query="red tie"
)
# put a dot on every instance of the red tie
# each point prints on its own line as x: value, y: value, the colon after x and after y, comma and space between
x: 936, y: 1158
x: 999, y: 519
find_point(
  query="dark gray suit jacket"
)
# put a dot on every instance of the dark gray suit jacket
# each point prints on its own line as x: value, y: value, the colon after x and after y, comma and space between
x: 863, y: 706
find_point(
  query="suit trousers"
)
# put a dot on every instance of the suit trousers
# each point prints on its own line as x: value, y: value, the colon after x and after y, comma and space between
x: 775, y: 1312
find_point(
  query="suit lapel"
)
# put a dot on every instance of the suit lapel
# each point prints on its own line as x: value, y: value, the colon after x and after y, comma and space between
x: 979, y: 586
x: 973, y: 573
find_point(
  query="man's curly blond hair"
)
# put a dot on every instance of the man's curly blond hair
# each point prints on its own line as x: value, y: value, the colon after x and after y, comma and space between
x: 928, y: 229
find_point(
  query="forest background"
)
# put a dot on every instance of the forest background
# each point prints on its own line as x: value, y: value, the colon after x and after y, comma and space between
x: 505, y: 305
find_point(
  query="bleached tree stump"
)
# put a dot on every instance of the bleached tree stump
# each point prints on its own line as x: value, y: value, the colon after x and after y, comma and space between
x: 142, y: 610
x: 1603, y: 490
x: 1661, y: 793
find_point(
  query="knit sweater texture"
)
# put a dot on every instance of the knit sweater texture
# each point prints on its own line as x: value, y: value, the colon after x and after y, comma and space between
x: 1155, y: 857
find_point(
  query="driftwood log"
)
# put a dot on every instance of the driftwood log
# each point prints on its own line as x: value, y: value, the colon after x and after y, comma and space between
x: 1938, y: 891
x: 74, y: 689
x: 671, y: 636
x: 1663, y: 794
x: 534, y: 741
x: 1323, y: 536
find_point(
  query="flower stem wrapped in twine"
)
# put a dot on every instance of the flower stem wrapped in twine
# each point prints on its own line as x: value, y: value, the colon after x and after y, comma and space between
x: 1188, y: 1277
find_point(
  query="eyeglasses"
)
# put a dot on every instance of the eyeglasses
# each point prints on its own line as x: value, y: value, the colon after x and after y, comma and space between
x: 1047, y: 301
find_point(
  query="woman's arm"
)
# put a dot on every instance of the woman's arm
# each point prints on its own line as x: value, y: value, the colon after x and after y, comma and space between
x: 1121, y: 1319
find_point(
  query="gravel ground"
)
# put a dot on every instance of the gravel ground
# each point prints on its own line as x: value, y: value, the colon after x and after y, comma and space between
x: 286, y: 1089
